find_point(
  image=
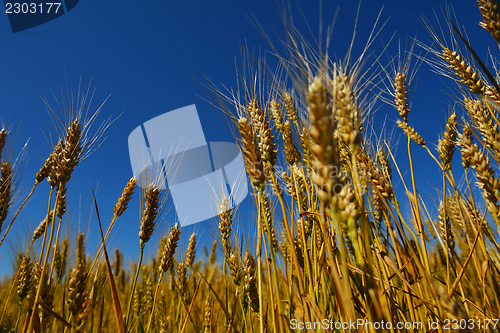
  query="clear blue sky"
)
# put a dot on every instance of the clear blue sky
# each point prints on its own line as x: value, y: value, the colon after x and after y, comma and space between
x: 144, y: 54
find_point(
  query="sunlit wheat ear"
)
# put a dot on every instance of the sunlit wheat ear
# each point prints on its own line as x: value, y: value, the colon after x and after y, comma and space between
x: 346, y: 109
x: 24, y: 278
x: 207, y: 315
x: 46, y: 292
x: 385, y: 166
x: 60, y: 259
x: 68, y: 158
x: 167, y: 257
x: 191, y: 251
x: 481, y: 117
x: 225, y: 224
x: 41, y: 227
x: 467, y: 75
x: 127, y: 193
x: 411, y: 133
x: 401, y: 95
x: 268, y: 222
x: 3, y: 141
x: 5, y: 191
x: 117, y: 262
x: 346, y: 203
x: 491, y: 17
x: 277, y: 115
x: 61, y: 202
x: 305, y: 143
x: 212, y: 258
x: 149, y: 214
x: 80, y: 249
x: 76, y: 298
x: 445, y: 227
x: 292, y: 154
x: 49, y: 164
x: 370, y: 171
x: 465, y: 141
x: 486, y: 180
x: 378, y: 207
x: 264, y: 134
x: 234, y: 268
x: 446, y: 145
x: 326, y: 165
x: 453, y: 208
x: 290, y: 108
x: 250, y: 282
x: 138, y: 302
x: 149, y: 293
x: 181, y: 279
x: 251, y: 154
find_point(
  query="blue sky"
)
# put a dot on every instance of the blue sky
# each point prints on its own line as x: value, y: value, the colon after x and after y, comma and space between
x: 144, y: 55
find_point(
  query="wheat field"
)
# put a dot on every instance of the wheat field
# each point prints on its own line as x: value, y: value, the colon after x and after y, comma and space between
x: 333, y: 249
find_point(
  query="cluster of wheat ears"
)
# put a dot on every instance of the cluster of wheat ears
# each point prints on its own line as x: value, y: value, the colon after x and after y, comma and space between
x: 331, y: 243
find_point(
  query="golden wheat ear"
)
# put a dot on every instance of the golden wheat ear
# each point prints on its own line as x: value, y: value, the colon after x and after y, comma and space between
x: 493, y: 94
x: 491, y: 17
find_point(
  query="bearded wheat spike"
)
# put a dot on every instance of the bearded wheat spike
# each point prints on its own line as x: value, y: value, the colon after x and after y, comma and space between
x: 486, y: 179
x: 264, y: 134
x: 292, y: 154
x: 60, y: 259
x: 305, y: 143
x: 138, y: 302
x: 277, y: 115
x: 385, y: 166
x: 400, y: 95
x: 445, y: 227
x: 149, y: 214
x: 41, y: 227
x: 225, y: 224
x: 182, y: 279
x: 234, y: 268
x: 268, y: 223
x: 117, y: 262
x: 349, y: 121
x: 46, y: 291
x: 207, y: 316
x: 465, y: 141
x: 127, y: 193
x: 411, y: 133
x: 491, y: 17
x: 370, y: 171
x: 25, y: 278
x: 212, y: 258
x: 169, y: 249
x: 46, y: 168
x: 252, y: 158
x: 378, y: 207
x: 191, y: 251
x: 69, y: 157
x: 465, y: 73
x: 61, y: 202
x: 326, y: 165
x: 250, y: 282
x: 482, y: 120
x: 80, y: 249
x: 446, y: 145
x: 291, y: 111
